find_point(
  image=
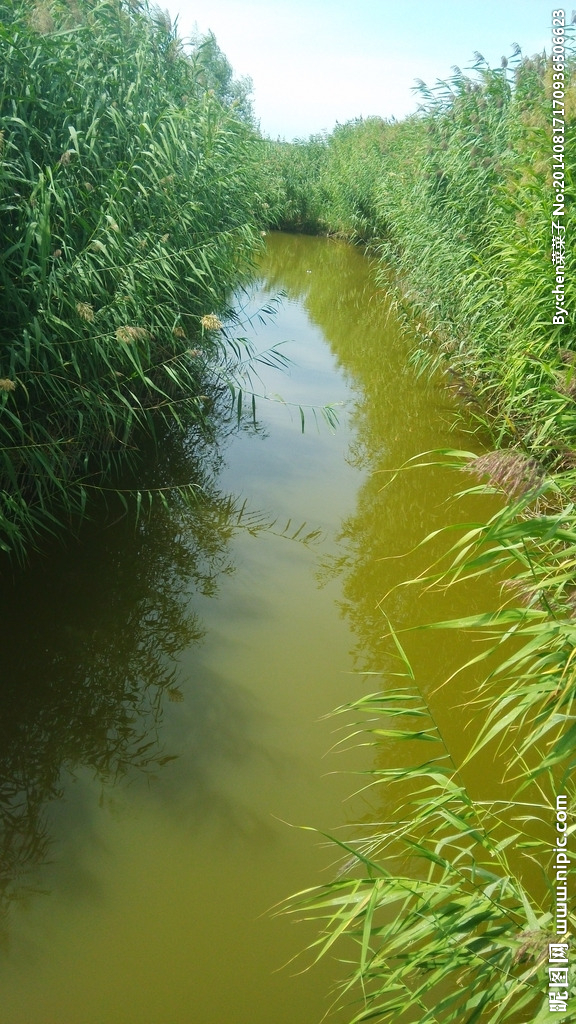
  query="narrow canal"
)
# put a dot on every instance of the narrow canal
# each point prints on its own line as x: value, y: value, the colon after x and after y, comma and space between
x: 164, y: 684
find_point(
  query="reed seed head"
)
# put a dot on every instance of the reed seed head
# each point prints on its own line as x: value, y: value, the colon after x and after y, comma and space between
x: 515, y: 473
x: 41, y: 19
x: 567, y: 386
x: 533, y: 945
x: 85, y: 311
x: 521, y: 591
x: 130, y: 334
x: 7, y: 385
x: 211, y: 323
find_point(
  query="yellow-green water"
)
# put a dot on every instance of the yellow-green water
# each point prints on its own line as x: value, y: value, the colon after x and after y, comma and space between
x: 164, y: 685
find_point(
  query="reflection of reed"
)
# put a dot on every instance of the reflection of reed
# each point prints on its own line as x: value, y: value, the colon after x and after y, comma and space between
x: 110, y: 616
x: 395, y: 414
x: 88, y: 691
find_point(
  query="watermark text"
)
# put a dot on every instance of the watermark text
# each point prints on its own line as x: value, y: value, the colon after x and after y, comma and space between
x: 558, y: 990
x: 558, y: 178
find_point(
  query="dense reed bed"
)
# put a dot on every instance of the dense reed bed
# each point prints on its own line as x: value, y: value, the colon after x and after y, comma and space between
x: 457, y: 204
x: 132, y: 190
x: 129, y: 199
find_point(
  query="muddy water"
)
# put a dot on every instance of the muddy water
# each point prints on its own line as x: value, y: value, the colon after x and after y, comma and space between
x: 163, y: 747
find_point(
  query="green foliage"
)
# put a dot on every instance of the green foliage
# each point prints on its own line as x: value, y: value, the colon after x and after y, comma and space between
x: 443, y: 925
x: 129, y: 205
x: 292, y: 177
x: 469, y: 212
x: 446, y: 926
x: 458, y: 199
x: 530, y: 545
x: 215, y: 73
x: 327, y: 183
x: 458, y: 202
x: 353, y: 178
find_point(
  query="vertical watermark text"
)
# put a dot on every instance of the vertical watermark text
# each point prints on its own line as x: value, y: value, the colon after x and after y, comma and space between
x: 558, y: 988
x: 558, y: 232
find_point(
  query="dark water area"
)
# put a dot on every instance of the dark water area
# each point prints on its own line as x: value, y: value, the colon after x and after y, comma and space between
x: 164, y: 750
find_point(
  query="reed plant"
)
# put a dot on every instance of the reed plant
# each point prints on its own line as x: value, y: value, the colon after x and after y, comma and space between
x: 470, y: 214
x: 130, y: 206
x: 458, y: 202
x: 327, y: 184
x: 447, y: 890
x: 459, y: 207
x: 443, y: 926
x: 292, y: 180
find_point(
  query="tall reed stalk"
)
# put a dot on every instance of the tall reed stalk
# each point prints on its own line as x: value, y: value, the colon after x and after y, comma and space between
x: 457, y: 201
x: 129, y: 202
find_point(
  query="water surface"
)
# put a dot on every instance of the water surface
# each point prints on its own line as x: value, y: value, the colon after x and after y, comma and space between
x: 164, y: 684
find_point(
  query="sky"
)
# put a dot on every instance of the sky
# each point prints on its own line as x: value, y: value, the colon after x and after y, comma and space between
x: 317, y: 62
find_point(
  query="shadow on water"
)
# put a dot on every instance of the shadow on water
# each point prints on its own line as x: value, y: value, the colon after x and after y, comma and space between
x: 110, y: 684
x: 92, y: 633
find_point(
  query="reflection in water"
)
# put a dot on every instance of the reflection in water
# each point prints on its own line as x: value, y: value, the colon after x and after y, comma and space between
x: 395, y: 416
x: 163, y: 868
x: 92, y: 636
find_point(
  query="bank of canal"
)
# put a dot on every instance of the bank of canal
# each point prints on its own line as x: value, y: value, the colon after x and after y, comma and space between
x: 164, y: 684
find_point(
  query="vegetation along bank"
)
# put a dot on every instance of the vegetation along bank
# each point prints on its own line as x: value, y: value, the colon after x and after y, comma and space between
x: 462, y: 205
x: 133, y: 189
x: 129, y: 207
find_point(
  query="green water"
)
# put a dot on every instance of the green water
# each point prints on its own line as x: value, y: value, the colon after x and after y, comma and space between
x: 162, y: 736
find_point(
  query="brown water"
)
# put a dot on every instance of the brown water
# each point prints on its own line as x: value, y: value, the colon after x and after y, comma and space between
x: 162, y: 737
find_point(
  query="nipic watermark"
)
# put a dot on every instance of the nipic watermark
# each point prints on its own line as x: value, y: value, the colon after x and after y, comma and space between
x: 558, y: 181
x: 558, y: 990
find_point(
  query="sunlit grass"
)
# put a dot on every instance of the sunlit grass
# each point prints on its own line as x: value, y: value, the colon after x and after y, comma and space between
x: 129, y: 197
x: 456, y: 202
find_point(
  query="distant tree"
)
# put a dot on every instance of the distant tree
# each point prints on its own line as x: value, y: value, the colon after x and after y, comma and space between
x: 216, y: 74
